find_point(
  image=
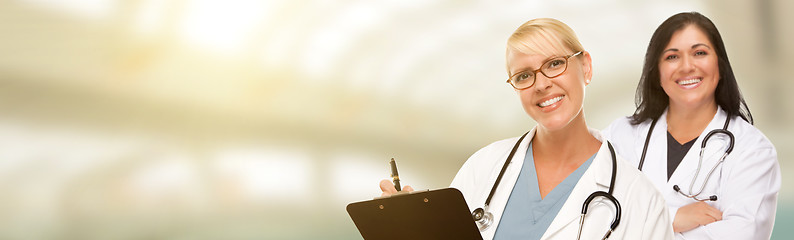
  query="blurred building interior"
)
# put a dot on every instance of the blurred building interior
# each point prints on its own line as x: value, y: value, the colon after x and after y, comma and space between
x: 148, y: 119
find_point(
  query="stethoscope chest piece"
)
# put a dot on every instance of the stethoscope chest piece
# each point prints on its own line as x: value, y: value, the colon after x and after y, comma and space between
x: 482, y: 218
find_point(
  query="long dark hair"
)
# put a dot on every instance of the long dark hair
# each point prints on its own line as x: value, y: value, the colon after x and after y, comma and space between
x: 651, y: 100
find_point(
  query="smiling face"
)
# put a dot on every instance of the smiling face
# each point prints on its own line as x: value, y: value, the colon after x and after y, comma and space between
x: 688, y: 69
x: 552, y: 102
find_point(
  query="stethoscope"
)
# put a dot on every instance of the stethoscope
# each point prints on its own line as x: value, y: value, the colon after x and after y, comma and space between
x: 484, y: 218
x: 725, y: 131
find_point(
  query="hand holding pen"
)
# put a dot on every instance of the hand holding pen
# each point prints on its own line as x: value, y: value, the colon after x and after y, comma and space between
x: 392, y: 187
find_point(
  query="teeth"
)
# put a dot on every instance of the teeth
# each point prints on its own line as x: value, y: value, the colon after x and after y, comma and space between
x: 550, y: 101
x: 690, y: 81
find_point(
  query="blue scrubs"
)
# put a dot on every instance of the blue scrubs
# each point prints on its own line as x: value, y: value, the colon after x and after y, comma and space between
x: 526, y: 215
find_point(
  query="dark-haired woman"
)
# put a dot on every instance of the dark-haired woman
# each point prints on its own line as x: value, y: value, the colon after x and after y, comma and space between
x: 688, y: 90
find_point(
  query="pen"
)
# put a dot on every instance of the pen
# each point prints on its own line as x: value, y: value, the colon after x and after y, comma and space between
x: 395, y: 177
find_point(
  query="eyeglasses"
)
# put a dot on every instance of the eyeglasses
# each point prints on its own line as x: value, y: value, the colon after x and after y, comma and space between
x: 552, y: 68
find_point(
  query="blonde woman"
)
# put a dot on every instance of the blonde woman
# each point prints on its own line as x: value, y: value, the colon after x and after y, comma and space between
x: 535, y: 186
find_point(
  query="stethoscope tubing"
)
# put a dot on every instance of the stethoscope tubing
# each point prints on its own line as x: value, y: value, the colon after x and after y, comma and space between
x: 608, y: 195
x: 484, y: 218
x: 708, y: 136
x: 504, y: 168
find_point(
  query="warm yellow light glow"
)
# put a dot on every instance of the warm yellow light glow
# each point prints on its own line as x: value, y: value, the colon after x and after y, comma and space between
x: 150, y: 16
x: 223, y: 27
x: 337, y: 36
x: 93, y: 9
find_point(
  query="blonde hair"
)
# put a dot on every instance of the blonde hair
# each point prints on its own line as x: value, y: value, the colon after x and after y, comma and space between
x: 545, y: 36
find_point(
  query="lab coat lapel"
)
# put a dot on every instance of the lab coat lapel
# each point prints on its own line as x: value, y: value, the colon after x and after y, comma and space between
x: 686, y: 170
x: 590, y: 182
x: 505, y: 188
x: 655, y: 166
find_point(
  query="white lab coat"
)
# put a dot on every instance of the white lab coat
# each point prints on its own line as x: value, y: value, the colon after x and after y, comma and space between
x: 644, y: 210
x: 746, y: 183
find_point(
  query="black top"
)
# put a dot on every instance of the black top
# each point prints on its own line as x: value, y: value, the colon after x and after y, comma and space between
x: 676, y: 153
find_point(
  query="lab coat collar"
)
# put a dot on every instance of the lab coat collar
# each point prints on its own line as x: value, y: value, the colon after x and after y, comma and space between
x: 596, y: 178
x: 605, y: 161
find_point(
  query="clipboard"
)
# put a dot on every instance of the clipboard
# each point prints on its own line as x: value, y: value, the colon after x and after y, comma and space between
x: 419, y: 215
